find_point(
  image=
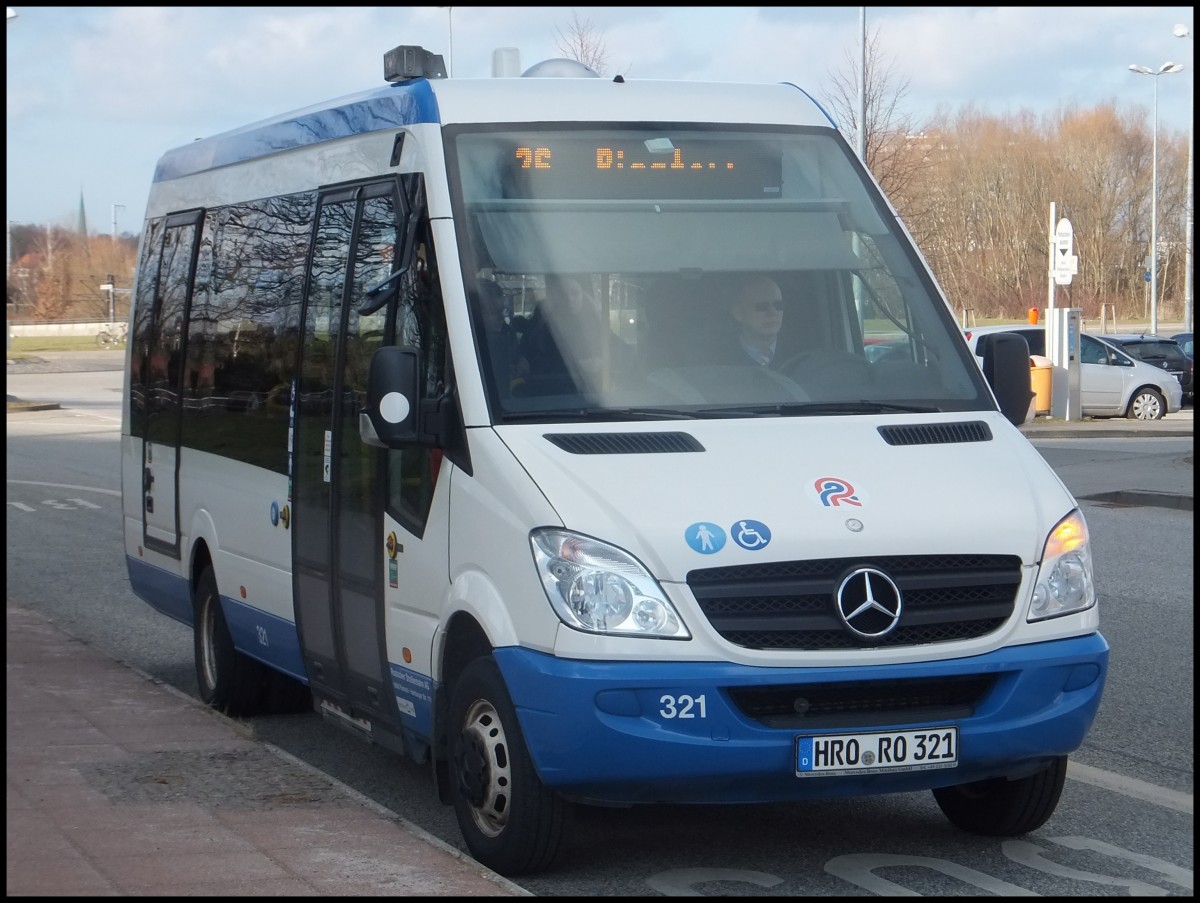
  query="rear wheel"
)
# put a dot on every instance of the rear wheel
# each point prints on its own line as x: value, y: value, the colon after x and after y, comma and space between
x: 1146, y: 404
x: 228, y: 680
x: 511, y: 822
x: 1004, y: 808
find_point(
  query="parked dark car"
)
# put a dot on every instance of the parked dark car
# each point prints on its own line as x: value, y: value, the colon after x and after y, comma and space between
x: 1162, y: 352
x: 1185, y: 342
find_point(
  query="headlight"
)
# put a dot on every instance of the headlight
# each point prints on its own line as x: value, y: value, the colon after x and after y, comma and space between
x: 599, y: 588
x: 1064, y: 584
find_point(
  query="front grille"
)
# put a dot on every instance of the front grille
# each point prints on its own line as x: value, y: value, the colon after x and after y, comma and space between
x: 868, y: 703
x: 791, y: 604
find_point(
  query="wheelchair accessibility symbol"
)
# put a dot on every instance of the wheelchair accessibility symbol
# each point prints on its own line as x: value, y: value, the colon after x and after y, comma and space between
x: 751, y: 535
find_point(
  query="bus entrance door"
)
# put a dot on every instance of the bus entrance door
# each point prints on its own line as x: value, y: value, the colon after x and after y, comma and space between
x: 338, y: 486
x: 162, y: 349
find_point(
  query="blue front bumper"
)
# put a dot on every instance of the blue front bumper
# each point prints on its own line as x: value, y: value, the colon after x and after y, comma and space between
x: 628, y: 732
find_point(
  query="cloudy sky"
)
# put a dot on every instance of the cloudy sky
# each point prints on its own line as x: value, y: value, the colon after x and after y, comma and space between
x: 97, y: 94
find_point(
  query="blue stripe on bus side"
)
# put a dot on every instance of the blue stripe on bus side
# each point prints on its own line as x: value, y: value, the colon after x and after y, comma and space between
x: 259, y: 634
x: 269, y: 638
x: 380, y: 108
x: 165, y: 592
x: 414, y: 698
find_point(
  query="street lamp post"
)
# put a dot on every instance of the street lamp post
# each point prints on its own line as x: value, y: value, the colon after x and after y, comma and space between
x: 450, y: 35
x: 861, y: 137
x: 1164, y: 69
x: 1182, y: 31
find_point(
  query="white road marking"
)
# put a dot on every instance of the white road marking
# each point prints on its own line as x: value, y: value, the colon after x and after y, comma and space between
x: 112, y: 492
x: 1139, y: 790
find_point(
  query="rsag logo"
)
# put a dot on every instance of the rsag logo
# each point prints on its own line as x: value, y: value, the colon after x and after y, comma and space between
x: 834, y: 492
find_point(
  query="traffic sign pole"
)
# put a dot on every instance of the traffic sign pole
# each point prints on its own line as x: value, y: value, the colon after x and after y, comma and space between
x: 1050, y: 267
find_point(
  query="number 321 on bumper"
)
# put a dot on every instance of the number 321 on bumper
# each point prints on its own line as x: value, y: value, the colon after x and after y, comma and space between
x: 835, y: 754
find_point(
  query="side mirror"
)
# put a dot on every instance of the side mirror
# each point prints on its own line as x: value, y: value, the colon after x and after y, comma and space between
x: 1006, y: 368
x: 392, y: 412
x: 396, y: 415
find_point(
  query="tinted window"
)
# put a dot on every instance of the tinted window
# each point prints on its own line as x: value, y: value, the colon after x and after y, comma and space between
x: 1034, y: 338
x: 1158, y: 352
x: 243, y: 329
x: 1091, y: 351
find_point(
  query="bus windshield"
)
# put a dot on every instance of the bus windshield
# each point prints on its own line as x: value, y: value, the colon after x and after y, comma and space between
x: 681, y: 271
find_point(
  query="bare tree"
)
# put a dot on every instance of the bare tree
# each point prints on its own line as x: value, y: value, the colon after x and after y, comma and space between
x: 890, y: 133
x: 59, y: 273
x: 583, y: 42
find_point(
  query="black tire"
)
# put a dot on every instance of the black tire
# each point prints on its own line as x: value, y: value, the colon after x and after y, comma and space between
x: 1146, y: 404
x: 229, y: 681
x: 1003, y: 808
x: 510, y: 821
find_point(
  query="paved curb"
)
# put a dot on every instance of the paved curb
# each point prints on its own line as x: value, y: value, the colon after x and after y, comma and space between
x: 1099, y: 429
x: 16, y: 406
x: 1135, y: 498
x: 120, y: 785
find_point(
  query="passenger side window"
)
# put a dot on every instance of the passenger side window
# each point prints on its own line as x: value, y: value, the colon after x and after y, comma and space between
x: 420, y: 323
x: 1036, y: 338
x: 1091, y: 351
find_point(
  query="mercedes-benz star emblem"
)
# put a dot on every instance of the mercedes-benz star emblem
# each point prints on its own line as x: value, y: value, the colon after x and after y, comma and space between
x: 868, y: 602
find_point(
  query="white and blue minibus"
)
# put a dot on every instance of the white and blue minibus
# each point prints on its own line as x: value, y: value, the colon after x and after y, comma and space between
x: 436, y: 422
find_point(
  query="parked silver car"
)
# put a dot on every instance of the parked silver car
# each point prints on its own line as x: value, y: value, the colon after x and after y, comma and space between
x: 1161, y: 352
x: 1111, y: 382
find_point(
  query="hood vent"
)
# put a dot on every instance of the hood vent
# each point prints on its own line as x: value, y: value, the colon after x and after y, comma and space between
x: 936, y: 433
x: 624, y: 443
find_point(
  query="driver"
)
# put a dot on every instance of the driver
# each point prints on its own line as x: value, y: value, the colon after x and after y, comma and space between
x: 758, y: 310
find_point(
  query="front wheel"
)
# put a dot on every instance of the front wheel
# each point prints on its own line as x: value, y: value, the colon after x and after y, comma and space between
x: 1004, y: 808
x: 511, y: 822
x: 1146, y: 404
x: 228, y: 680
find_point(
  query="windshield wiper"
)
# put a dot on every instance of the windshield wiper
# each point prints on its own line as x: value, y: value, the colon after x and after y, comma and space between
x: 601, y: 414
x: 857, y: 407
x: 816, y: 408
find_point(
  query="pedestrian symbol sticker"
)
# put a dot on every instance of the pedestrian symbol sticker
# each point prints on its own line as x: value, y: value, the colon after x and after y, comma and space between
x: 705, y: 538
x: 751, y: 534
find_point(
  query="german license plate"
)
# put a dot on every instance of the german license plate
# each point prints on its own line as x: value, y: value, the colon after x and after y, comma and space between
x: 876, y: 752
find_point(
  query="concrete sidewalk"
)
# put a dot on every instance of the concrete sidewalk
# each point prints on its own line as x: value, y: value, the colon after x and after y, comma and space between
x: 120, y: 785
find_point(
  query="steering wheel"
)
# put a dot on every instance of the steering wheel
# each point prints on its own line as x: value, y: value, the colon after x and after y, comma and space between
x: 825, y: 367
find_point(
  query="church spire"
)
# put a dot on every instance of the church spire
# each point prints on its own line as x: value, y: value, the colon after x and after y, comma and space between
x: 82, y: 216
